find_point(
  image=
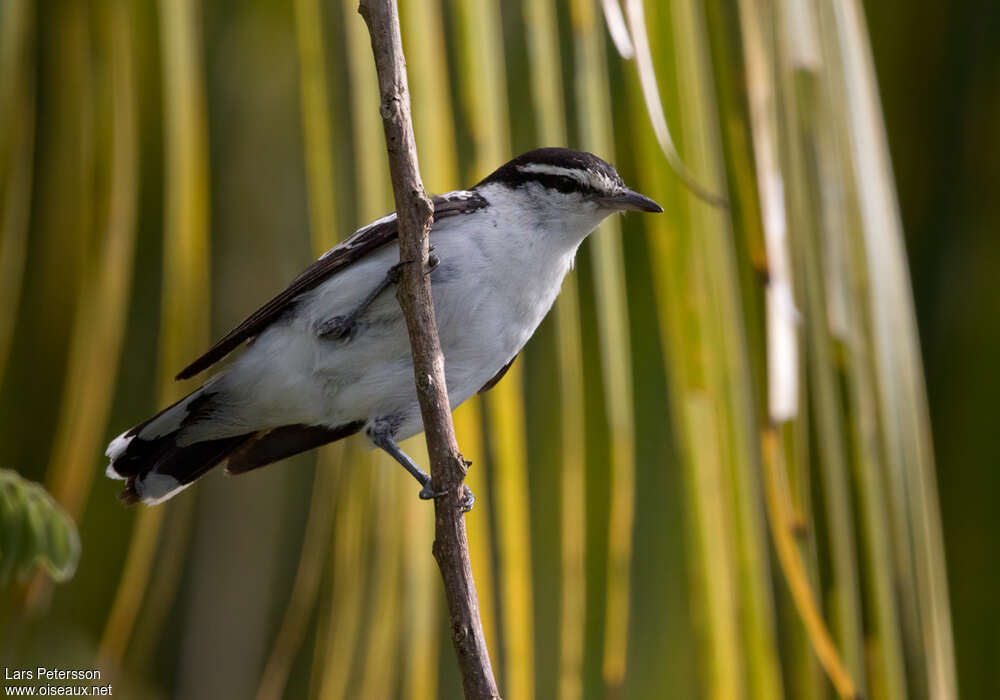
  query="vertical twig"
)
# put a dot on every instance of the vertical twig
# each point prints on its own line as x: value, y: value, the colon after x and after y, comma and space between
x: 414, y: 292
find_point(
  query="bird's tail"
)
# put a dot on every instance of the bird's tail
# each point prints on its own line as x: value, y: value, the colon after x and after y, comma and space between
x: 155, y: 460
x: 168, y: 452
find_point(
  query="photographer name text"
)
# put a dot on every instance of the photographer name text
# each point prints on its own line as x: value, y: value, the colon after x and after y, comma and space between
x: 41, y: 673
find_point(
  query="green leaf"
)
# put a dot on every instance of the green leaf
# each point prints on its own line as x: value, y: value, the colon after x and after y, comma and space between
x: 34, y: 531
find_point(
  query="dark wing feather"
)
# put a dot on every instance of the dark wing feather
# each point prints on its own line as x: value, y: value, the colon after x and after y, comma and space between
x: 496, y: 377
x: 362, y: 242
x: 271, y: 445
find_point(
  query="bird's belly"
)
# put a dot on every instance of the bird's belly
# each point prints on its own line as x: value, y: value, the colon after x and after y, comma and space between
x: 484, y: 319
x: 484, y: 322
x: 373, y: 376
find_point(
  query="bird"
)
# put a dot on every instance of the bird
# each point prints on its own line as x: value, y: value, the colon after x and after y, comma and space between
x: 329, y: 356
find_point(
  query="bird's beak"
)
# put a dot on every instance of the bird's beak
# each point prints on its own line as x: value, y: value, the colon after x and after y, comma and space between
x: 629, y: 199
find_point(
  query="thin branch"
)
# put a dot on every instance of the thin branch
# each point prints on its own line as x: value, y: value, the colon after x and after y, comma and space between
x: 448, y: 467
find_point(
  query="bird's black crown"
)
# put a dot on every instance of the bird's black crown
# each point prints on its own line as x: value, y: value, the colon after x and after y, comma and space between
x: 560, y: 169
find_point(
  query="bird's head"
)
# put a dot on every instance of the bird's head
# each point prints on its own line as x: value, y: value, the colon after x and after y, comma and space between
x: 558, y: 183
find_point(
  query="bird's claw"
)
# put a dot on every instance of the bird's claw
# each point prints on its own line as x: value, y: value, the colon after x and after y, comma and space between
x: 468, y: 499
x: 427, y: 493
x: 395, y: 273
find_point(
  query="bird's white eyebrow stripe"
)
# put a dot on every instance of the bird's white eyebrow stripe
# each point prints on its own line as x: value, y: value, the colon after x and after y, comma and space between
x: 543, y: 169
x: 590, y: 178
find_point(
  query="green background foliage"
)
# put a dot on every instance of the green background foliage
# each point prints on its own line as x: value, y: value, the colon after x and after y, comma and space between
x: 36, y: 533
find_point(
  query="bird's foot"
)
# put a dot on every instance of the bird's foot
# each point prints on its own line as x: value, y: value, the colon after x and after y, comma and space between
x: 341, y: 327
x: 427, y: 493
x: 337, y: 328
x: 395, y: 273
x: 380, y: 431
x: 468, y: 498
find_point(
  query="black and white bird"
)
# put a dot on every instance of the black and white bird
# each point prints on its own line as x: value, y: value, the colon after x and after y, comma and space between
x: 330, y: 356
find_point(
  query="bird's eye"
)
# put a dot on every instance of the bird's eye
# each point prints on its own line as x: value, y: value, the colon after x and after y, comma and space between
x: 566, y: 185
x: 559, y: 183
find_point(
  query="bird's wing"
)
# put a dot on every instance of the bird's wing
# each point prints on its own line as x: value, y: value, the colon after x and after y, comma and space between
x: 359, y: 244
x: 497, y: 377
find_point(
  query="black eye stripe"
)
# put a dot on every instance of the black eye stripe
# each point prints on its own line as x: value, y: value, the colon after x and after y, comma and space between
x: 563, y: 183
x: 560, y: 183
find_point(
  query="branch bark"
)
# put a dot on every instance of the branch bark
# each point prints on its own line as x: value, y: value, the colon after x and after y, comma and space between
x: 448, y: 467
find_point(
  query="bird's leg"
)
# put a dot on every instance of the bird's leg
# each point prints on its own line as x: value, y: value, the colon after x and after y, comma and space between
x: 340, y: 327
x: 380, y: 433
